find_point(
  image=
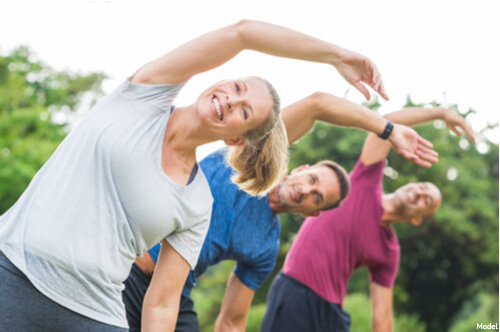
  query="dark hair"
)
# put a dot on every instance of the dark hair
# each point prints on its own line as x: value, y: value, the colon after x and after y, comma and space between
x: 342, y: 178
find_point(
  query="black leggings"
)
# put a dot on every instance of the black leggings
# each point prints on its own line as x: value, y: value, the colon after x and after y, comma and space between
x: 25, y: 308
x: 292, y: 306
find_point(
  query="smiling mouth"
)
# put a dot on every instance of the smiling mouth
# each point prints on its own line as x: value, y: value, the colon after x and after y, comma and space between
x: 295, y: 195
x: 217, y: 106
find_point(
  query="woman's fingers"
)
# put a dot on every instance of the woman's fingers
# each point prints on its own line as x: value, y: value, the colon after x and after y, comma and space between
x: 427, y: 154
x: 423, y: 142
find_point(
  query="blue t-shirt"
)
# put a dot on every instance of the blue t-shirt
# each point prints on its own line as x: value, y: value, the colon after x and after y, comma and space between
x: 242, y: 228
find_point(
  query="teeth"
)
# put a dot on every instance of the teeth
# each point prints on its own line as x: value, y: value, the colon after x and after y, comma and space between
x: 217, y: 107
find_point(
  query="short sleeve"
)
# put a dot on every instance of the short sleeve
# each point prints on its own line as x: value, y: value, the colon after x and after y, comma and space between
x: 370, y: 175
x: 385, y: 275
x: 254, y: 273
x: 161, y: 95
x: 188, y: 243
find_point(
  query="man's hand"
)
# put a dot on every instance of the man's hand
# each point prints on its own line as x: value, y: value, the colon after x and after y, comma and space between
x: 358, y: 69
x: 412, y: 146
x: 455, y: 121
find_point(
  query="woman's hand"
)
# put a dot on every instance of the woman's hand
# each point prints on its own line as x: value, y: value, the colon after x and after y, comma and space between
x: 358, y: 69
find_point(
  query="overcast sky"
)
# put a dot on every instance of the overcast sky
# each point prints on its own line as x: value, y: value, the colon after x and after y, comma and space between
x: 448, y: 51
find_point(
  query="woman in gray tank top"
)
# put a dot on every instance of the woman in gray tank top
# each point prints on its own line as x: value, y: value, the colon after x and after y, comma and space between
x: 126, y: 178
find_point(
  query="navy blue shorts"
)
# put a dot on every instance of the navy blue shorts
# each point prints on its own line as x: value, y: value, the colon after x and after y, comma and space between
x: 133, y: 296
x: 294, y: 307
x: 24, y: 308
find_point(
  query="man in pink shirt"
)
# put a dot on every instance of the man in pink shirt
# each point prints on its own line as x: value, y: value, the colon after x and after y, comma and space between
x: 308, y: 294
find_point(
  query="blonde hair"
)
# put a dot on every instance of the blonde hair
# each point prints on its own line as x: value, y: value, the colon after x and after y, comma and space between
x: 262, y: 159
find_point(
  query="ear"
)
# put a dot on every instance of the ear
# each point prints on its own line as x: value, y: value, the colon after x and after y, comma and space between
x: 235, y: 141
x: 417, y: 221
x: 300, y: 168
x: 311, y: 214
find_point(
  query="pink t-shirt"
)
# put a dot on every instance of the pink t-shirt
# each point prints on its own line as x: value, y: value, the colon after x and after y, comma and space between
x: 328, y: 248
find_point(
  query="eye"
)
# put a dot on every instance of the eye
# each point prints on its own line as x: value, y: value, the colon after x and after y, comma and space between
x: 312, y: 179
x: 237, y: 87
x: 245, y: 114
x: 316, y: 198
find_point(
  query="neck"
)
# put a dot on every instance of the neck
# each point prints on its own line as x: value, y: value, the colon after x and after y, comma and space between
x: 390, y: 214
x: 184, y: 133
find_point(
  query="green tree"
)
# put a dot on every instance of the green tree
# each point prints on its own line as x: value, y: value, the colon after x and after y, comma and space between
x: 31, y: 95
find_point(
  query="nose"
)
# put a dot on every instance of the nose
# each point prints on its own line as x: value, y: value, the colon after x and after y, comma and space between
x: 307, y: 189
x: 233, y: 101
x: 420, y: 192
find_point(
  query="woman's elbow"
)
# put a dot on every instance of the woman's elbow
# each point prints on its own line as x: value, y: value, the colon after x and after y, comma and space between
x: 244, y: 31
x: 321, y: 101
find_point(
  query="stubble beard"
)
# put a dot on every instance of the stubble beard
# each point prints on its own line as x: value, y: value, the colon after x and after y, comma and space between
x: 282, y: 199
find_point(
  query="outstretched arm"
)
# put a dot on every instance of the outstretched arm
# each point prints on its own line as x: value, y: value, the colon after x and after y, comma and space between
x: 217, y: 47
x: 382, y: 319
x: 299, y: 118
x: 235, y: 306
x: 161, y: 303
x: 375, y: 149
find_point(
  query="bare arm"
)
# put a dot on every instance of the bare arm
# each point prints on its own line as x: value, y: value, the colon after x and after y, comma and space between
x: 299, y: 118
x: 235, y: 306
x: 375, y: 149
x: 382, y: 320
x: 161, y: 303
x: 219, y: 46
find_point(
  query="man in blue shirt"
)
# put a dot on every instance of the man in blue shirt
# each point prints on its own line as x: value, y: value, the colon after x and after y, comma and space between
x: 246, y: 229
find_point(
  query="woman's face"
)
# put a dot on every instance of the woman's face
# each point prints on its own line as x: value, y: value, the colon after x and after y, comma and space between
x: 232, y: 108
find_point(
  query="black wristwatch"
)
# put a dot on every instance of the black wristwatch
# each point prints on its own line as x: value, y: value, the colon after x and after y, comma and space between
x: 389, y: 126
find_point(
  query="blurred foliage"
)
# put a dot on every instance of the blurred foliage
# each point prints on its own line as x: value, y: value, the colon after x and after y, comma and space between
x: 449, y: 265
x: 31, y: 94
x: 208, y: 298
x: 358, y: 305
x: 482, y: 308
x: 255, y: 317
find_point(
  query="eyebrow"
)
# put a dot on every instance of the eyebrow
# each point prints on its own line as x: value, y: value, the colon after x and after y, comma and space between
x: 246, y: 90
x: 428, y: 197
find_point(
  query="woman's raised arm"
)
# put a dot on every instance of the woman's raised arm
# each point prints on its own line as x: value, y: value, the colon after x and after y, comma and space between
x: 219, y: 46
